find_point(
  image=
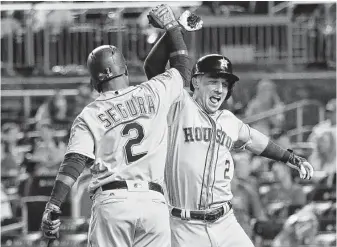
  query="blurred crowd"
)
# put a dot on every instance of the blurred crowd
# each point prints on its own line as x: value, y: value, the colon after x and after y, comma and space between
x: 270, y: 201
x: 59, y: 28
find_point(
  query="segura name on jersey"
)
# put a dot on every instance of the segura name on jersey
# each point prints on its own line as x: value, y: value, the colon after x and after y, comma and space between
x: 205, y: 134
x: 141, y: 106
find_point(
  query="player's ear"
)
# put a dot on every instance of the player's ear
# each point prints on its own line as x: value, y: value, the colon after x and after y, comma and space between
x: 195, y: 82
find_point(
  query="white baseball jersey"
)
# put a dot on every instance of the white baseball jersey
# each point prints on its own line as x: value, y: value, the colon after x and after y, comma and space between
x: 199, y: 165
x: 125, y: 132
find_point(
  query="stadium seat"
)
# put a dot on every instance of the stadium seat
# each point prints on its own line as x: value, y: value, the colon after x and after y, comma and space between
x: 267, y: 229
x: 323, y: 193
x: 327, y: 225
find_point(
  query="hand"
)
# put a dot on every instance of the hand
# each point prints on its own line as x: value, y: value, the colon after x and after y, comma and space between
x: 162, y: 17
x: 50, y: 224
x: 302, y: 165
x: 190, y: 22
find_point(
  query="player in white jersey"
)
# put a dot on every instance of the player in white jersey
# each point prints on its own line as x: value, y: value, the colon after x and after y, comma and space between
x: 122, y: 138
x: 199, y: 165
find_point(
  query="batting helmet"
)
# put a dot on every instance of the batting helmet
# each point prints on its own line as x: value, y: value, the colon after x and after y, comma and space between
x: 104, y: 63
x: 215, y: 64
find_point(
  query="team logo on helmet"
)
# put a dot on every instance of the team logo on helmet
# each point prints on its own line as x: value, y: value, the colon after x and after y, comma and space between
x: 224, y: 63
x: 106, y: 75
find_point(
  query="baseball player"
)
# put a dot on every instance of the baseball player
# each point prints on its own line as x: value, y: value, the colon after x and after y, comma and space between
x: 199, y: 166
x: 122, y: 138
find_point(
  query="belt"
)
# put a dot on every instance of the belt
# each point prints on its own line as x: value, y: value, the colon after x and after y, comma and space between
x: 210, y: 216
x: 123, y: 185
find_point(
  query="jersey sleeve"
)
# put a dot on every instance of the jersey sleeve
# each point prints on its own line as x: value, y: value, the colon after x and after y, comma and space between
x: 176, y: 108
x: 244, y: 137
x: 168, y: 85
x: 81, y: 140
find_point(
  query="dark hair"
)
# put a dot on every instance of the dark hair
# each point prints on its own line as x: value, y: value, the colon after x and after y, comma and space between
x: 6, y: 146
x: 52, y: 109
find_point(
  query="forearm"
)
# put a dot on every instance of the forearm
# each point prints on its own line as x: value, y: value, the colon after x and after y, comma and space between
x: 171, y: 46
x: 157, y: 58
x: 264, y: 146
x: 71, y: 168
x: 62, y: 186
x: 257, y: 142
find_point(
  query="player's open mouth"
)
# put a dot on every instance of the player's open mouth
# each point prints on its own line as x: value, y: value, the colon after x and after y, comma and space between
x: 215, y: 99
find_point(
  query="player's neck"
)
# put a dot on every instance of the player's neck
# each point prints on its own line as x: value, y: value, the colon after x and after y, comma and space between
x: 115, y: 84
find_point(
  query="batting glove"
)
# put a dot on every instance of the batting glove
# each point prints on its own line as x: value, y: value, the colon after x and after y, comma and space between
x: 190, y: 22
x: 162, y: 17
x: 301, y: 165
x: 50, y: 224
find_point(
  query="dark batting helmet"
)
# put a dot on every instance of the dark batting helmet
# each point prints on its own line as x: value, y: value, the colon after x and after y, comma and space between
x: 105, y: 63
x: 215, y: 64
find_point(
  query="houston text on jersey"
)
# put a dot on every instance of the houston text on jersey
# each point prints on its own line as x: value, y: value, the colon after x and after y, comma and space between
x: 204, y: 134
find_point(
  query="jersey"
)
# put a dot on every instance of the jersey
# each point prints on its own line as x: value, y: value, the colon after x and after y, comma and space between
x: 125, y: 131
x: 199, y: 165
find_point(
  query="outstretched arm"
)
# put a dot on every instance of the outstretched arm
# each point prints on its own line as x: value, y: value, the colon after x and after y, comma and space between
x: 260, y: 144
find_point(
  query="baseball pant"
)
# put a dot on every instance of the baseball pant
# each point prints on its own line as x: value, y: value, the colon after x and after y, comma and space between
x: 125, y: 218
x: 225, y: 232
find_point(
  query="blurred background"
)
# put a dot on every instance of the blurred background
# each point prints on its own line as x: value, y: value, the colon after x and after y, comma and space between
x: 283, y: 52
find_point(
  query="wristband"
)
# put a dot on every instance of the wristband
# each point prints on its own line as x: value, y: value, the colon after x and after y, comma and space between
x: 286, y: 156
x: 171, y: 25
x: 52, y: 207
x: 180, y: 52
x: 59, y: 193
x: 275, y: 152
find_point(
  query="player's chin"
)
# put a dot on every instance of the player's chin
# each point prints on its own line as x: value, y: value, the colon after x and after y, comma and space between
x: 212, y: 108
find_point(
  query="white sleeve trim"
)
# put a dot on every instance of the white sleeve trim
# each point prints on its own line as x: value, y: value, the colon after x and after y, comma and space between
x: 249, y: 141
x: 91, y: 156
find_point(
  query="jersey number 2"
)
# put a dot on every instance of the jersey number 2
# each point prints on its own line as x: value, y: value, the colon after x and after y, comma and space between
x: 227, y: 165
x: 131, y: 157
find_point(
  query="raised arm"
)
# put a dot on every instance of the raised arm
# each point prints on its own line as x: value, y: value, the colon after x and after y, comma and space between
x: 157, y: 58
x: 178, y: 57
x: 162, y: 52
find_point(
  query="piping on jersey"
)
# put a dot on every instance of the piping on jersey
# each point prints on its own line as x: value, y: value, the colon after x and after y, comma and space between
x: 212, y: 143
x: 211, y: 162
x: 214, y: 176
x: 119, y: 95
x: 217, y: 156
x: 203, y: 176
